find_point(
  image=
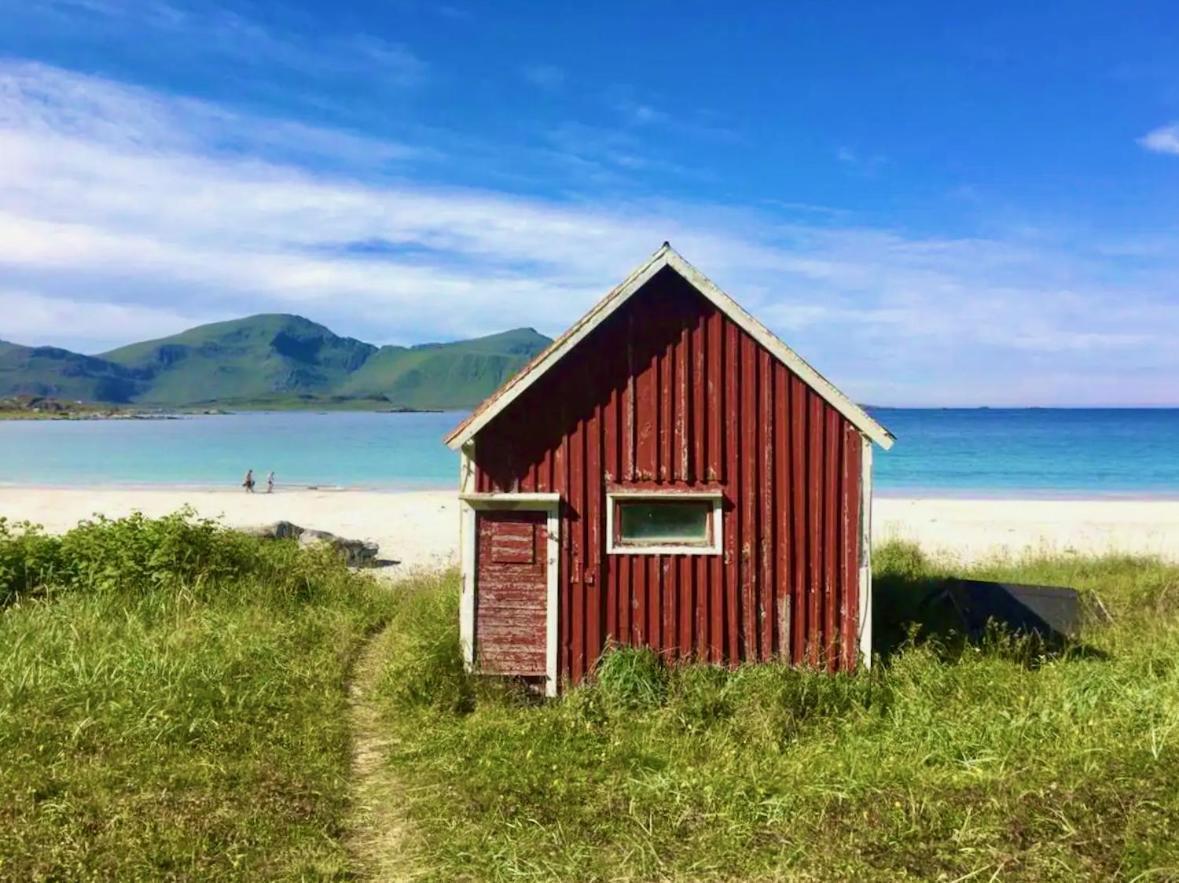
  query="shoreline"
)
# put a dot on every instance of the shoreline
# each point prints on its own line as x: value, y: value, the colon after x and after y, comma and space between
x: 419, y: 526
x: 1008, y: 495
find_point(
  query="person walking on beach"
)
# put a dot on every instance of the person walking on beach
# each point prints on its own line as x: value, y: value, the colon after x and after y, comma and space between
x: 270, y: 482
x: 248, y: 481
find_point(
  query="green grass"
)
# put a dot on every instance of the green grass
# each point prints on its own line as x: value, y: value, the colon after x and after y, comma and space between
x: 951, y: 760
x: 173, y: 703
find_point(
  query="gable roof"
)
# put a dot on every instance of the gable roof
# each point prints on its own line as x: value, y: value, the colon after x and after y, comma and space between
x: 666, y: 256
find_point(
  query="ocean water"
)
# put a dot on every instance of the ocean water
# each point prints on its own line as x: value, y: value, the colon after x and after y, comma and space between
x: 966, y: 452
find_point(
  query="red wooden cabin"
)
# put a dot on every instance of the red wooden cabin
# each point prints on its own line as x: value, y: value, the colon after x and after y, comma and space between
x: 667, y: 473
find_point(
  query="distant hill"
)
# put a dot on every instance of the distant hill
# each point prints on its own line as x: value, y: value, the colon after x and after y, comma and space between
x: 50, y: 371
x: 444, y: 375
x: 271, y: 360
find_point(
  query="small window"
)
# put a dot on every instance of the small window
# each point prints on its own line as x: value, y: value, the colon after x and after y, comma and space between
x: 664, y: 523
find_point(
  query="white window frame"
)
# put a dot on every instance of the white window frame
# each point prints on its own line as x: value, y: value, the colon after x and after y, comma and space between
x: 716, y: 522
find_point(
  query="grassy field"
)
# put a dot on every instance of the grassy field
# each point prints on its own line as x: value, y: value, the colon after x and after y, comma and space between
x: 949, y: 762
x: 173, y: 704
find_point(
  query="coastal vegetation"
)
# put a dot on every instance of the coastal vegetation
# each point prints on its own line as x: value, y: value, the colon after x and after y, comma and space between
x: 271, y: 360
x: 175, y: 703
x: 28, y: 407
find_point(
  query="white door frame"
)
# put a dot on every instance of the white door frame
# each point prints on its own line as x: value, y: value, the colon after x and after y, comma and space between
x: 866, y: 553
x: 470, y: 504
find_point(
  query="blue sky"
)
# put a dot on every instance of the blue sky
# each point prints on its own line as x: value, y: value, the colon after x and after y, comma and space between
x: 933, y: 205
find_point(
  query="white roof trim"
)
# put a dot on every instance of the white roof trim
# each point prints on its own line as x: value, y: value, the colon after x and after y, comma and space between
x: 666, y: 256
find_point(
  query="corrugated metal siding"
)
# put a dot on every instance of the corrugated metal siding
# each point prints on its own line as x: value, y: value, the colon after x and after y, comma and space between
x: 668, y: 392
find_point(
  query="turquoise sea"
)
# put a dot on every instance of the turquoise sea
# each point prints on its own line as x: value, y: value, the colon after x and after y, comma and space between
x: 939, y: 452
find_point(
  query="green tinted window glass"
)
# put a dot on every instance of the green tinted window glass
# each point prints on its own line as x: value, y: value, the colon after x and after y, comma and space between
x: 664, y: 521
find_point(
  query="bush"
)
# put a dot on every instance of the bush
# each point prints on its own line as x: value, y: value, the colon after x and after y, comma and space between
x: 151, y: 560
x: 137, y: 555
x: 29, y: 560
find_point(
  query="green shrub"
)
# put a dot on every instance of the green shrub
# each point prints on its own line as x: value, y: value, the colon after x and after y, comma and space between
x: 138, y: 555
x: 29, y: 560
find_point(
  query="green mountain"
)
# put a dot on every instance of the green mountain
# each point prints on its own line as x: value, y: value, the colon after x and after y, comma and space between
x: 438, y: 375
x: 51, y: 371
x: 244, y: 359
x: 271, y: 359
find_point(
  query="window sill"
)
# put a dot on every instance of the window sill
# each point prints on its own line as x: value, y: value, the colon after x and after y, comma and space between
x: 616, y: 495
x: 662, y: 550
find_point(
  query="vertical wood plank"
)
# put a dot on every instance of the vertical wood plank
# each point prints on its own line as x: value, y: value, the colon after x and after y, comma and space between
x: 799, y: 522
x: 630, y: 428
x: 654, y: 601
x: 594, y: 520
x: 733, y: 478
x: 680, y: 446
x: 667, y: 382
x: 785, y: 508
x: 581, y: 556
x: 611, y: 465
x: 833, y: 445
x: 714, y: 342
x: 748, y: 424
x: 699, y: 422
x: 814, y: 585
x: 768, y: 491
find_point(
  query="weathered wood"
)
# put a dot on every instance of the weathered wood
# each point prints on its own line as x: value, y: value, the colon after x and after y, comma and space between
x: 670, y: 395
x: 510, y: 603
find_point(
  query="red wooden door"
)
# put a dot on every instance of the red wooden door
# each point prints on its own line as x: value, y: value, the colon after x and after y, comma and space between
x: 511, y: 592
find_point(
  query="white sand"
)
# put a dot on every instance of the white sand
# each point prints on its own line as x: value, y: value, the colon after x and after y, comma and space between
x: 973, y: 529
x: 420, y: 529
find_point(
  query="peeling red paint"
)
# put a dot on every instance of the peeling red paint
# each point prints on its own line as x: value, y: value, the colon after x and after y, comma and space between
x: 511, y: 605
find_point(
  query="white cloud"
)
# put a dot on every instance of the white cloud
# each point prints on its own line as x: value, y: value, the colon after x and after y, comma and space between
x: 30, y: 317
x: 126, y: 213
x: 1164, y: 139
x: 59, y: 107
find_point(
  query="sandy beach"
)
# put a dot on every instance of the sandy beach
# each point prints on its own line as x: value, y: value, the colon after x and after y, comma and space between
x: 420, y: 528
x: 415, y: 528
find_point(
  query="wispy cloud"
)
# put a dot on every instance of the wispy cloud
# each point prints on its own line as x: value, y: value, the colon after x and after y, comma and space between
x: 218, y: 40
x: 1164, y: 139
x: 641, y: 114
x: 51, y: 103
x: 546, y: 77
x: 648, y: 112
x: 867, y: 164
x: 127, y: 213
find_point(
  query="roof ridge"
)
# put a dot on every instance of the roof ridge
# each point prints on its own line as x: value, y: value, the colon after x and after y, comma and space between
x: 665, y: 256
